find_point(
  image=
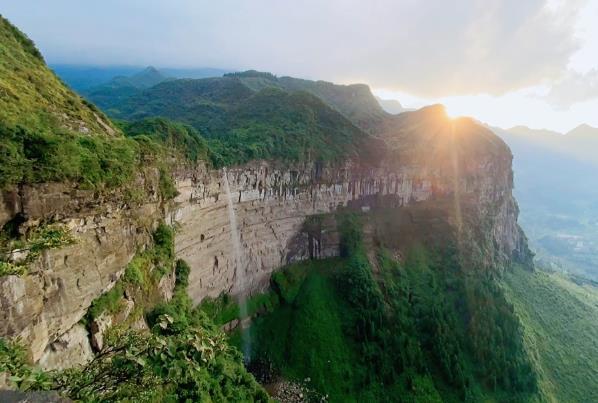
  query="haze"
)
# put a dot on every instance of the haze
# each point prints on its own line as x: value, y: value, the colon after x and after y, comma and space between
x: 503, y: 62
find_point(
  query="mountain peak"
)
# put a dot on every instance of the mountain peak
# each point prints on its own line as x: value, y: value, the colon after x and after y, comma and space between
x: 583, y: 130
x: 151, y: 69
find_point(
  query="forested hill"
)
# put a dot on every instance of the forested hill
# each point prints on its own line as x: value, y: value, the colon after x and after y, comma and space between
x: 207, y: 98
x: 32, y: 97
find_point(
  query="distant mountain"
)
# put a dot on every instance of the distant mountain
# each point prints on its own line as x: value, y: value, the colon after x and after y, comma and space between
x: 356, y: 102
x: 557, y: 189
x: 112, y: 93
x: 392, y: 106
x: 580, y: 143
x: 195, y: 73
x: 149, y: 77
x: 81, y: 78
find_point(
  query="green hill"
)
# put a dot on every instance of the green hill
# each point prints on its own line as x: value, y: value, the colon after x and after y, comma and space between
x: 244, y: 124
x: 33, y: 97
x: 560, y: 321
x: 356, y: 102
x: 48, y: 133
x: 112, y: 93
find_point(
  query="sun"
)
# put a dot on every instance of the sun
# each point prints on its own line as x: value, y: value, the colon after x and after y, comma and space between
x: 451, y: 114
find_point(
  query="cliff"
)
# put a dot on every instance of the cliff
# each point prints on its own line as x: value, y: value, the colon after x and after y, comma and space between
x: 306, y: 157
x: 272, y: 202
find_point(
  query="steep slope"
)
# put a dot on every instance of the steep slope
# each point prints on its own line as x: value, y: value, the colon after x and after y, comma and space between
x: 77, y: 259
x: 559, y: 320
x: 373, y: 327
x: 33, y: 97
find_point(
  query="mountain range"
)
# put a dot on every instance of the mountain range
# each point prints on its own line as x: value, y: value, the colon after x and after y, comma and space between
x: 249, y: 237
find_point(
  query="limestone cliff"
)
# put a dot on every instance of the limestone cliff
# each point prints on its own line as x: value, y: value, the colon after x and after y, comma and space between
x: 468, y: 186
x: 108, y: 194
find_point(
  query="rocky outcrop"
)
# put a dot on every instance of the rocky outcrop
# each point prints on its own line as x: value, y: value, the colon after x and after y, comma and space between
x: 69, y: 350
x: 282, y: 212
x: 60, y: 285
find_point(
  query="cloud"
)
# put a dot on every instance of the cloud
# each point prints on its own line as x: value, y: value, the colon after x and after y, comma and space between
x: 574, y: 88
x: 428, y: 48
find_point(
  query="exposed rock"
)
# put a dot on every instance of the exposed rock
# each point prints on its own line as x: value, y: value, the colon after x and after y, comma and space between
x: 279, y: 216
x: 166, y: 286
x: 98, y: 327
x: 69, y: 350
x: 13, y: 396
x: 60, y: 286
x: 272, y: 204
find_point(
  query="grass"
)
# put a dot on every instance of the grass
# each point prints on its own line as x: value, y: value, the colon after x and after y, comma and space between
x: 560, y: 323
x: 32, y: 96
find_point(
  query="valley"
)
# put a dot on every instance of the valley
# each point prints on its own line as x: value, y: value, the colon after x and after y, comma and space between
x: 249, y: 237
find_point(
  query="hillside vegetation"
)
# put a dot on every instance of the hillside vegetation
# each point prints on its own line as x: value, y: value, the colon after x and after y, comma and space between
x: 424, y: 330
x: 242, y: 124
x: 560, y: 325
x: 184, y: 356
x: 48, y: 133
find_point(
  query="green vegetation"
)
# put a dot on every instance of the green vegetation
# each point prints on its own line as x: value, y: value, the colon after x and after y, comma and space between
x: 32, y: 96
x: 49, y: 134
x: 225, y: 309
x: 175, y: 136
x: 243, y: 125
x: 559, y: 320
x: 141, y: 278
x: 364, y: 330
x: 32, y: 156
x: 356, y: 102
x: 14, y: 364
x: 184, y: 357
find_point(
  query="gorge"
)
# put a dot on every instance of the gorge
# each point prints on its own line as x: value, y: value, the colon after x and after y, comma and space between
x: 138, y: 241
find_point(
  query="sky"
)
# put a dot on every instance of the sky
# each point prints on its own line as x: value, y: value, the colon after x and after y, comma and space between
x: 504, y: 62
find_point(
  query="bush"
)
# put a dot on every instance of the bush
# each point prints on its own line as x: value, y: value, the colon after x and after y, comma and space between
x: 182, y: 271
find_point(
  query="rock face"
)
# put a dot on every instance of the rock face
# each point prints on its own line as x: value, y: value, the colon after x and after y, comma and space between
x: 69, y: 350
x: 272, y: 204
x: 45, y: 304
x: 282, y: 216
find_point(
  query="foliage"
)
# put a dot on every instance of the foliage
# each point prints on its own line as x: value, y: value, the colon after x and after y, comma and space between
x: 32, y: 97
x: 12, y: 269
x: 141, y: 276
x: 224, y: 309
x: 48, y: 133
x: 243, y: 125
x: 410, y: 331
x: 176, y: 136
x: 44, y: 156
x: 14, y: 364
x: 48, y: 237
x: 559, y: 320
x: 43, y: 237
x: 184, y: 358
x: 182, y: 271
